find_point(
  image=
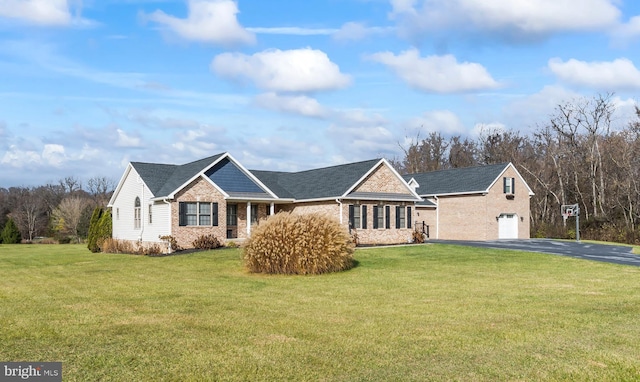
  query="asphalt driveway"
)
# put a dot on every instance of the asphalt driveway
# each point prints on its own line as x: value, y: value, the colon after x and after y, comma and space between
x: 616, y: 254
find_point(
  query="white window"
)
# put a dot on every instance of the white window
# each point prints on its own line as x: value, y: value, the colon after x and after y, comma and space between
x: 137, y: 214
x: 509, y: 186
x: 150, y: 215
x: 198, y: 214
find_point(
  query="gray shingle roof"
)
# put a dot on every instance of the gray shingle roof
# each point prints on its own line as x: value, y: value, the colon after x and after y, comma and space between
x: 458, y: 180
x: 327, y: 182
x: 163, y: 179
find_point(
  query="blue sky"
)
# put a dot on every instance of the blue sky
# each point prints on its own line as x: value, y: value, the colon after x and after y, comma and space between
x: 88, y: 85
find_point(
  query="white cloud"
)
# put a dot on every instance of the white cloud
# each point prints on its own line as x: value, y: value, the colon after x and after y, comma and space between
x: 438, y: 74
x: 293, y: 31
x: 211, y: 21
x: 442, y: 121
x: 357, y: 142
x: 629, y: 30
x: 354, y: 31
x: 608, y: 75
x: 51, y: 155
x: 301, y: 105
x: 54, y: 154
x: 15, y: 157
x: 125, y: 140
x: 519, y: 17
x: 44, y: 12
x: 40, y: 12
x: 298, y: 70
x: 527, y: 112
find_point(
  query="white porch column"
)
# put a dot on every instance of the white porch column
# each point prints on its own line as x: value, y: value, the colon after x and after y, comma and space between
x: 272, y: 209
x: 248, y: 219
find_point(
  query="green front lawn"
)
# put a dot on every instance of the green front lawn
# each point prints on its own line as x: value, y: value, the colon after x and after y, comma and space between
x: 430, y: 312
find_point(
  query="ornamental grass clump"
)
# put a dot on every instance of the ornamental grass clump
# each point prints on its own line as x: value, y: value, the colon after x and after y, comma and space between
x: 298, y: 244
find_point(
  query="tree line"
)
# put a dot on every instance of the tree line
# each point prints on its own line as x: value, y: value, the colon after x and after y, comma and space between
x: 576, y: 157
x: 61, y: 211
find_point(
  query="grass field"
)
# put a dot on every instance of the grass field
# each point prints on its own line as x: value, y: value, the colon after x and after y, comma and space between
x: 430, y: 312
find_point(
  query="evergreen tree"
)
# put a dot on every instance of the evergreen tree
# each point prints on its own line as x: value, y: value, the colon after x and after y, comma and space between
x: 11, y: 233
x: 104, y: 228
x: 92, y: 238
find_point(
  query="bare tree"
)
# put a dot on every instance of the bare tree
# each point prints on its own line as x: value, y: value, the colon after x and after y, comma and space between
x: 101, y: 189
x: 28, y: 211
x: 424, y: 155
x: 70, y: 184
x: 462, y: 153
x: 67, y: 216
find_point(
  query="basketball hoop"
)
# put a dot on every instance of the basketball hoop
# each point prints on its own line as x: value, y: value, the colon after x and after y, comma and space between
x: 571, y: 210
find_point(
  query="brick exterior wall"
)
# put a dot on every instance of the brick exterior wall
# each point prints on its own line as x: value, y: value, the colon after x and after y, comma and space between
x: 382, y: 180
x: 198, y: 191
x: 426, y: 215
x: 473, y: 217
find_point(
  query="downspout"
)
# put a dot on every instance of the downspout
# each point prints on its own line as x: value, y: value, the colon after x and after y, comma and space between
x: 340, y: 203
x: 437, y: 217
x: 142, y: 203
x: 166, y: 201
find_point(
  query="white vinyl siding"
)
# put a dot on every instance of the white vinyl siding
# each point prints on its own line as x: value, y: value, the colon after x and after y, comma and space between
x: 124, y: 206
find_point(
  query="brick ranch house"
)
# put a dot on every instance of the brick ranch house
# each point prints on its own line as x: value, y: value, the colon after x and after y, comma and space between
x: 219, y: 196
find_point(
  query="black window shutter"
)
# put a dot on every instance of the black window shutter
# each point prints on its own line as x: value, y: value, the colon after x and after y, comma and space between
x: 513, y: 185
x: 214, y: 211
x: 351, y: 220
x: 387, y: 217
x: 409, y: 217
x: 375, y: 217
x: 364, y: 217
x: 398, y: 217
x: 182, y: 218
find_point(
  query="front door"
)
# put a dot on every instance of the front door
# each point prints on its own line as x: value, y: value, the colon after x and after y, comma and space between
x: 232, y: 221
x: 508, y: 226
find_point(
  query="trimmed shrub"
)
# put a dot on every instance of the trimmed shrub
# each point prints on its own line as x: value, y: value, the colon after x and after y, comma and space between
x: 417, y: 237
x: 173, y: 243
x: 298, y: 244
x: 206, y: 242
x: 11, y: 233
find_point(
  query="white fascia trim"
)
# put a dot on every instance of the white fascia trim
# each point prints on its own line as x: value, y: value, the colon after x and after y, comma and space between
x: 531, y: 193
x: 372, y: 169
x: 231, y: 198
x: 120, y: 184
x: 316, y: 200
x: 201, y: 173
x: 483, y: 192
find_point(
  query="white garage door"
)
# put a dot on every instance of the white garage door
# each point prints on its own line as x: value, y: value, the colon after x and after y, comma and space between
x: 508, y: 226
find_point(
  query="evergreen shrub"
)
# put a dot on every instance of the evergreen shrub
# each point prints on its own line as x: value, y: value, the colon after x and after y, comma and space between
x: 11, y: 233
x: 298, y: 244
x: 92, y: 238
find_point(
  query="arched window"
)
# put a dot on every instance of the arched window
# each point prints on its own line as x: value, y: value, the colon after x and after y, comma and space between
x: 137, y: 214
